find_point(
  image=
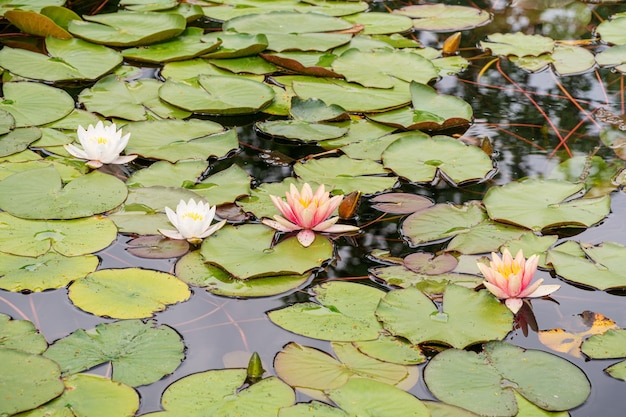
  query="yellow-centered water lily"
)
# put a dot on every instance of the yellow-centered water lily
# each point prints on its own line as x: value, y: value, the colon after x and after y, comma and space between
x: 509, y: 278
x: 308, y: 212
x: 192, y: 221
x: 101, y: 145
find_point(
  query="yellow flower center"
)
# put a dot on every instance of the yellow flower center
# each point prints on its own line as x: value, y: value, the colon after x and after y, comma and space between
x: 195, y: 216
x: 507, y: 270
x: 101, y: 140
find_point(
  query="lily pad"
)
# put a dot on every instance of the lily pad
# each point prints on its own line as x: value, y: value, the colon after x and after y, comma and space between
x: 189, y: 44
x: 285, y: 22
x: 540, y: 204
x: 346, y: 174
x: 485, y: 237
x: 32, y: 238
x: 307, y: 63
x: 247, y: 252
x: 163, y: 173
x: 33, y: 23
x: 235, y: 45
x: 126, y: 28
x: 300, y: 130
x: 27, y: 381
x: 134, y: 100
x: 21, y: 335
x: 391, y: 349
x: 127, y: 293
x: 376, y: 23
x: 192, y: 269
x: 34, y: 104
x: 218, y: 94
x: 378, y: 68
x: 599, y: 266
x: 67, y: 59
x: 140, y: 353
x: 343, y: 312
x: 18, y: 140
x: 444, y: 17
x: 400, y: 203
x: 609, y: 345
x: 402, y: 277
x: 309, y: 368
x: 224, y: 186
x: 411, y: 314
x: 48, y: 271
x: 613, y: 31
x: 91, y: 395
x: 245, y: 65
x: 474, y: 380
x: 176, y: 140
x: 425, y: 160
x: 41, y: 194
x: 518, y: 44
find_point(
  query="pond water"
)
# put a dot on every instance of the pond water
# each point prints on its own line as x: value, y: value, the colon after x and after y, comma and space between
x: 518, y: 111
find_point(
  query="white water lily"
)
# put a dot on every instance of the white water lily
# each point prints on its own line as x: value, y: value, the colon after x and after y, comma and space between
x: 101, y: 145
x: 192, y: 221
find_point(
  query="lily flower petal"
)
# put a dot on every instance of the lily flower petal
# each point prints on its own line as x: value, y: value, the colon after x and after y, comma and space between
x: 100, y: 145
x: 192, y: 221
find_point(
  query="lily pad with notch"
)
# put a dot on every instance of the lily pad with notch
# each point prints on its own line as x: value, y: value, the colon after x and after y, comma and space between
x: 189, y: 44
x: 21, y: 335
x: 35, y: 104
x: 608, y: 345
x: 235, y: 45
x: 400, y: 203
x: 445, y: 17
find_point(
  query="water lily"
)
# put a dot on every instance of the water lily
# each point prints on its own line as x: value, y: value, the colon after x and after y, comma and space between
x: 101, y: 145
x: 192, y: 221
x: 509, y: 278
x: 307, y: 212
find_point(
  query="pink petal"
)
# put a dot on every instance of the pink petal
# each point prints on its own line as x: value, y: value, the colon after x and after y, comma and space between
x: 514, y: 285
x: 529, y: 270
x: 544, y: 290
x: 280, y: 226
x: 306, y: 237
x: 514, y: 304
x: 530, y: 289
x: 340, y: 228
x: 497, y: 291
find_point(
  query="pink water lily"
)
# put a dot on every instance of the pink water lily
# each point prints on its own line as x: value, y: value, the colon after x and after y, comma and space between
x: 307, y: 212
x: 509, y: 279
x: 192, y: 221
x: 101, y: 145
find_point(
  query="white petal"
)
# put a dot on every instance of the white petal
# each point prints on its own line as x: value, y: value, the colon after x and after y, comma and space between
x: 514, y: 304
x: 172, y: 234
x: 76, y: 151
x: 123, y: 159
x: 544, y: 290
x: 213, y: 229
x: 306, y: 237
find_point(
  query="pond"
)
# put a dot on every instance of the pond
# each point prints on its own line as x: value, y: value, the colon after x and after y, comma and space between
x: 455, y: 130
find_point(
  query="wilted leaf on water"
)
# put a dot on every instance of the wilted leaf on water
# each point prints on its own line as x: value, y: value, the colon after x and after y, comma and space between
x: 157, y: 247
x: 140, y: 353
x: 569, y: 341
x: 34, y: 23
x: 430, y: 264
x: 400, y: 203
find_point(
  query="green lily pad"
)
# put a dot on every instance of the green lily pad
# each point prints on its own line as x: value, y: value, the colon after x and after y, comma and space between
x: 441, y: 222
x: 235, y: 45
x: 430, y: 111
x: 224, y: 186
x: 444, y: 17
x: 245, y: 65
x: 189, y: 70
x: 34, y: 5
x: 157, y: 247
x: 126, y: 28
x: 309, y: 368
x: 391, y: 349
x: 613, y: 31
x: 140, y: 353
x: 608, y: 345
x: 400, y: 203
x: 7, y: 123
x: 485, y: 237
x: 67, y: 59
x: 376, y: 69
x: 300, y: 130
x: 597, y: 173
x: 531, y: 244
x: 538, y: 204
x: 475, y: 381
x: 367, y: 398
x: 33, y: 238
x: 163, y: 173
x: 421, y: 159
x: 21, y: 335
x: 598, y: 266
x: 377, y: 23
x: 570, y: 59
x: 48, y: 271
x: 311, y: 409
x: 34, y: 104
x: 400, y: 276
x: 343, y: 312
x: 27, y: 381
x: 613, y: 56
x: 18, y: 140
x: 176, y: 140
x: 127, y: 293
x: 518, y: 44
x: 148, y: 5
x: 189, y: 44
x: 411, y: 314
x: 218, y: 94
x: 352, y: 97
x: 218, y: 392
x: 247, y: 252
x: 192, y: 269
x: 346, y: 174
x: 135, y: 100
x: 285, y: 22
x: 41, y: 194
x: 90, y: 395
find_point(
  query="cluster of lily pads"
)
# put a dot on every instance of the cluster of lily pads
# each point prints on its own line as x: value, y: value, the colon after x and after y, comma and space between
x: 326, y: 73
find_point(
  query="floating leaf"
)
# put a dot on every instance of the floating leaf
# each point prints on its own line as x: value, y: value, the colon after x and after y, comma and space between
x: 34, y: 23
x: 70, y: 238
x: 48, y: 271
x: 127, y: 293
x: 192, y: 270
x: 613, y: 31
x: 429, y: 264
x: 18, y: 140
x: 474, y: 381
x: 224, y: 186
x: 300, y: 130
x: 285, y: 22
x: 128, y: 28
x: 599, y: 266
x: 609, y: 345
x: 343, y: 312
x: 27, y: 381
x: 391, y: 349
x: 140, y: 353
x: 235, y: 45
x: 247, y: 252
x: 444, y: 17
x: 467, y: 317
x: 485, y: 237
x: 41, y: 194
x: 21, y: 335
x: 540, y: 204
x: 157, y: 247
x: 167, y: 174
x: 400, y: 276
x: 187, y: 45
x: 377, y: 23
x: 34, y: 104
x: 518, y: 44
